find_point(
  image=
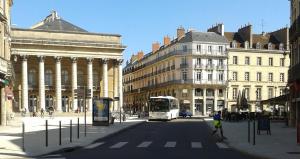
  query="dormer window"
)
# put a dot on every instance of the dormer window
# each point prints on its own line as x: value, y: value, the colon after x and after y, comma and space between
x: 233, y: 44
x: 270, y: 46
x: 281, y: 46
x: 246, y: 44
x: 257, y: 45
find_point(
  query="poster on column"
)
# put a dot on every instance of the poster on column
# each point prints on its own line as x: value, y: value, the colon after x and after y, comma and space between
x: 101, y: 111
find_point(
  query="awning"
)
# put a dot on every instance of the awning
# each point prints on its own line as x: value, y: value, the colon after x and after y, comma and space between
x: 276, y: 100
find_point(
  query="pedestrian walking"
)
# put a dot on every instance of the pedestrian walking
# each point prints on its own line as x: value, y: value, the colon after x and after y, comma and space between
x: 42, y: 112
x: 218, y: 124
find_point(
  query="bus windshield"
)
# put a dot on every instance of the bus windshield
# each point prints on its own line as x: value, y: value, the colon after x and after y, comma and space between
x: 159, y: 105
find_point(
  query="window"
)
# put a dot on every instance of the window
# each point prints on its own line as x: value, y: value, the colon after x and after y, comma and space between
x: 247, y: 76
x: 209, y: 62
x: 220, y: 93
x: 198, y: 62
x: 183, y: 60
x: 258, y: 76
x: 184, y: 48
x: 198, y: 92
x: 247, y: 60
x: 48, y: 78
x: 235, y: 59
x: 234, y: 76
x: 32, y: 77
x: 210, y: 92
x: 270, y: 77
x: 270, y: 61
x: 221, y: 62
x: 209, y: 48
x: 221, y: 76
x: 281, y: 61
x: 198, y: 48
x: 234, y: 93
x: 49, y: 101
x: 258, y: 93
x: 64, y: 77
x: 198, y: 76
x: 80, y: 78
x: 221, y: 49
x: 281, y: 77
x: 270, y: 93
x: 270, y: 46
x: 247, y: 93
x: 184, y: 75
x: 233, y: 44
x: 258, y: 62
x: 209, y: 76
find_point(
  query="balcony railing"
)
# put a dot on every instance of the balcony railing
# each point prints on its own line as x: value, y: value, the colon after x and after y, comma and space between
x: 221, y: 67
x: 199, y: 66
x: 210, y: 66
x: 211, y: 82
x: 184, y: 65
x: 211, y: 53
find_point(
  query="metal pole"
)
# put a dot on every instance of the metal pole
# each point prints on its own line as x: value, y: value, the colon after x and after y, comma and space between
x: 23, y: 137
x: 46, y: 133
x: 59, y: 132
x: 254, y: 131
x: 248, y: 130
x: 77, y: 128
x: 71, y: 130
x: 120, y: 114
x: 85, y: 111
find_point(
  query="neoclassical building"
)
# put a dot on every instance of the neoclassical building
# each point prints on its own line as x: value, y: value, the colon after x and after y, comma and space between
x: 54, y: 57
x: 192, y: 68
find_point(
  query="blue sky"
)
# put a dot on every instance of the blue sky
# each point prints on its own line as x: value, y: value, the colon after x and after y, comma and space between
x: 141, y: 22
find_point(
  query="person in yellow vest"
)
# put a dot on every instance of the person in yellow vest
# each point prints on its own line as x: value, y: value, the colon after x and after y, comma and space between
x: 218, y: 124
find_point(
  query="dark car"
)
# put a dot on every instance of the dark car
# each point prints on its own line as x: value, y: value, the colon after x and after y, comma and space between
x: 185, y: 114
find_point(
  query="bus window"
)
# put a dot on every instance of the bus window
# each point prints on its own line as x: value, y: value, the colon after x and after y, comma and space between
x: 159, y: 105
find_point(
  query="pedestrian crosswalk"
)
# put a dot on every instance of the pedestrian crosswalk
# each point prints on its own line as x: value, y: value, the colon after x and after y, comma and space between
x: 146, y: 144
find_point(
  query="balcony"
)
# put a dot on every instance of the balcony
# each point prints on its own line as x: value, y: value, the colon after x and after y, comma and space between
x: 210, y: 66
x: 184, y: 65
x: 294, y: 31
x: 211, y: 82
x: 212, y: 53
x: 199, y: 66
x: 221, y: 67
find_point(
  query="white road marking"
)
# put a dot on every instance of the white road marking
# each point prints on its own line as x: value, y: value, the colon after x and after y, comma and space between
x: 145, y: 144
x: 196, y: 145
x: 118, y: 145
x: 170, y: 144
x: 222, y: 145
x: 94, y: 145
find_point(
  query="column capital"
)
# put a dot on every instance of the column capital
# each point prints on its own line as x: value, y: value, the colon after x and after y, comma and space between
x: 58, y: 58
x: 24, y: 57
x: 41, y: 58
x: 119, y: 61
x: 104, y: 60
x: 89, y: 59
x: 74, y: 59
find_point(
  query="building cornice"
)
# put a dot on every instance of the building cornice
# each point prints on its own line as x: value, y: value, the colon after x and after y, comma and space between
x: 258, y: 51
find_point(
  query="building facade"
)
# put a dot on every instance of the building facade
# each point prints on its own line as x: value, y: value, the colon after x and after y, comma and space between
x: 257, y: 64
x: 6, y: 71
x: 294, y: 71
x: 54, y: 57
x: 192, y: 68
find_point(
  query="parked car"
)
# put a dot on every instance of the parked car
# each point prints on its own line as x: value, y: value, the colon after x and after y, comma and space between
x: 185, y: 113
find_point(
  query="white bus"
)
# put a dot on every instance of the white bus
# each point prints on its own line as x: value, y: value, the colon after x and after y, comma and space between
x: 163, y: 107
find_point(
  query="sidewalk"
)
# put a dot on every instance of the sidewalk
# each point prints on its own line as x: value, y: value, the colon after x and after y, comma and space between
x: 280, y: 145
x: 35, y: 140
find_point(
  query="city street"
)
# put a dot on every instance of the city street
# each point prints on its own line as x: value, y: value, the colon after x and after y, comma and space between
x: 182, y: 138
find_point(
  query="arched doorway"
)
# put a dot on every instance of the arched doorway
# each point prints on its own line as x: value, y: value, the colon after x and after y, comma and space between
x: 32, y: 103
x: 49, y: 101
x: 65, y: 103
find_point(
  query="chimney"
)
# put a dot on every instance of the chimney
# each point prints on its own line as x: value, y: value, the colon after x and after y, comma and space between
x: 219, y: 29
x: 180, y: 32
x: 167, y: 41
x: 246, y: 34
x: 155, y: 47
x: 140, y: 55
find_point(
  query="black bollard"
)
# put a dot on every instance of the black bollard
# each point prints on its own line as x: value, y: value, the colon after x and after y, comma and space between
x: 71, y: 130
x: 59, y: 132
x: 248, y: 130
x: 23, y: 137
x: 46, y: 133
x: 254, y: 132
x: 77, y: 128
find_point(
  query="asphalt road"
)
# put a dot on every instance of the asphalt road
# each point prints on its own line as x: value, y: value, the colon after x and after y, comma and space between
x: 177, y: 139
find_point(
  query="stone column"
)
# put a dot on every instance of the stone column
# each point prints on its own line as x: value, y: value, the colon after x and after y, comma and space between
x: 120, y: 84
x: 74, y: 82
x: 216, y: 100
x: 41, y: 82
x: 90, y: 82
x: 24, y: 83
x: 193, y: 101
x: 116, y: 76
x: 204, y: 101
x: 58, y: 84
x: 105, y: 77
